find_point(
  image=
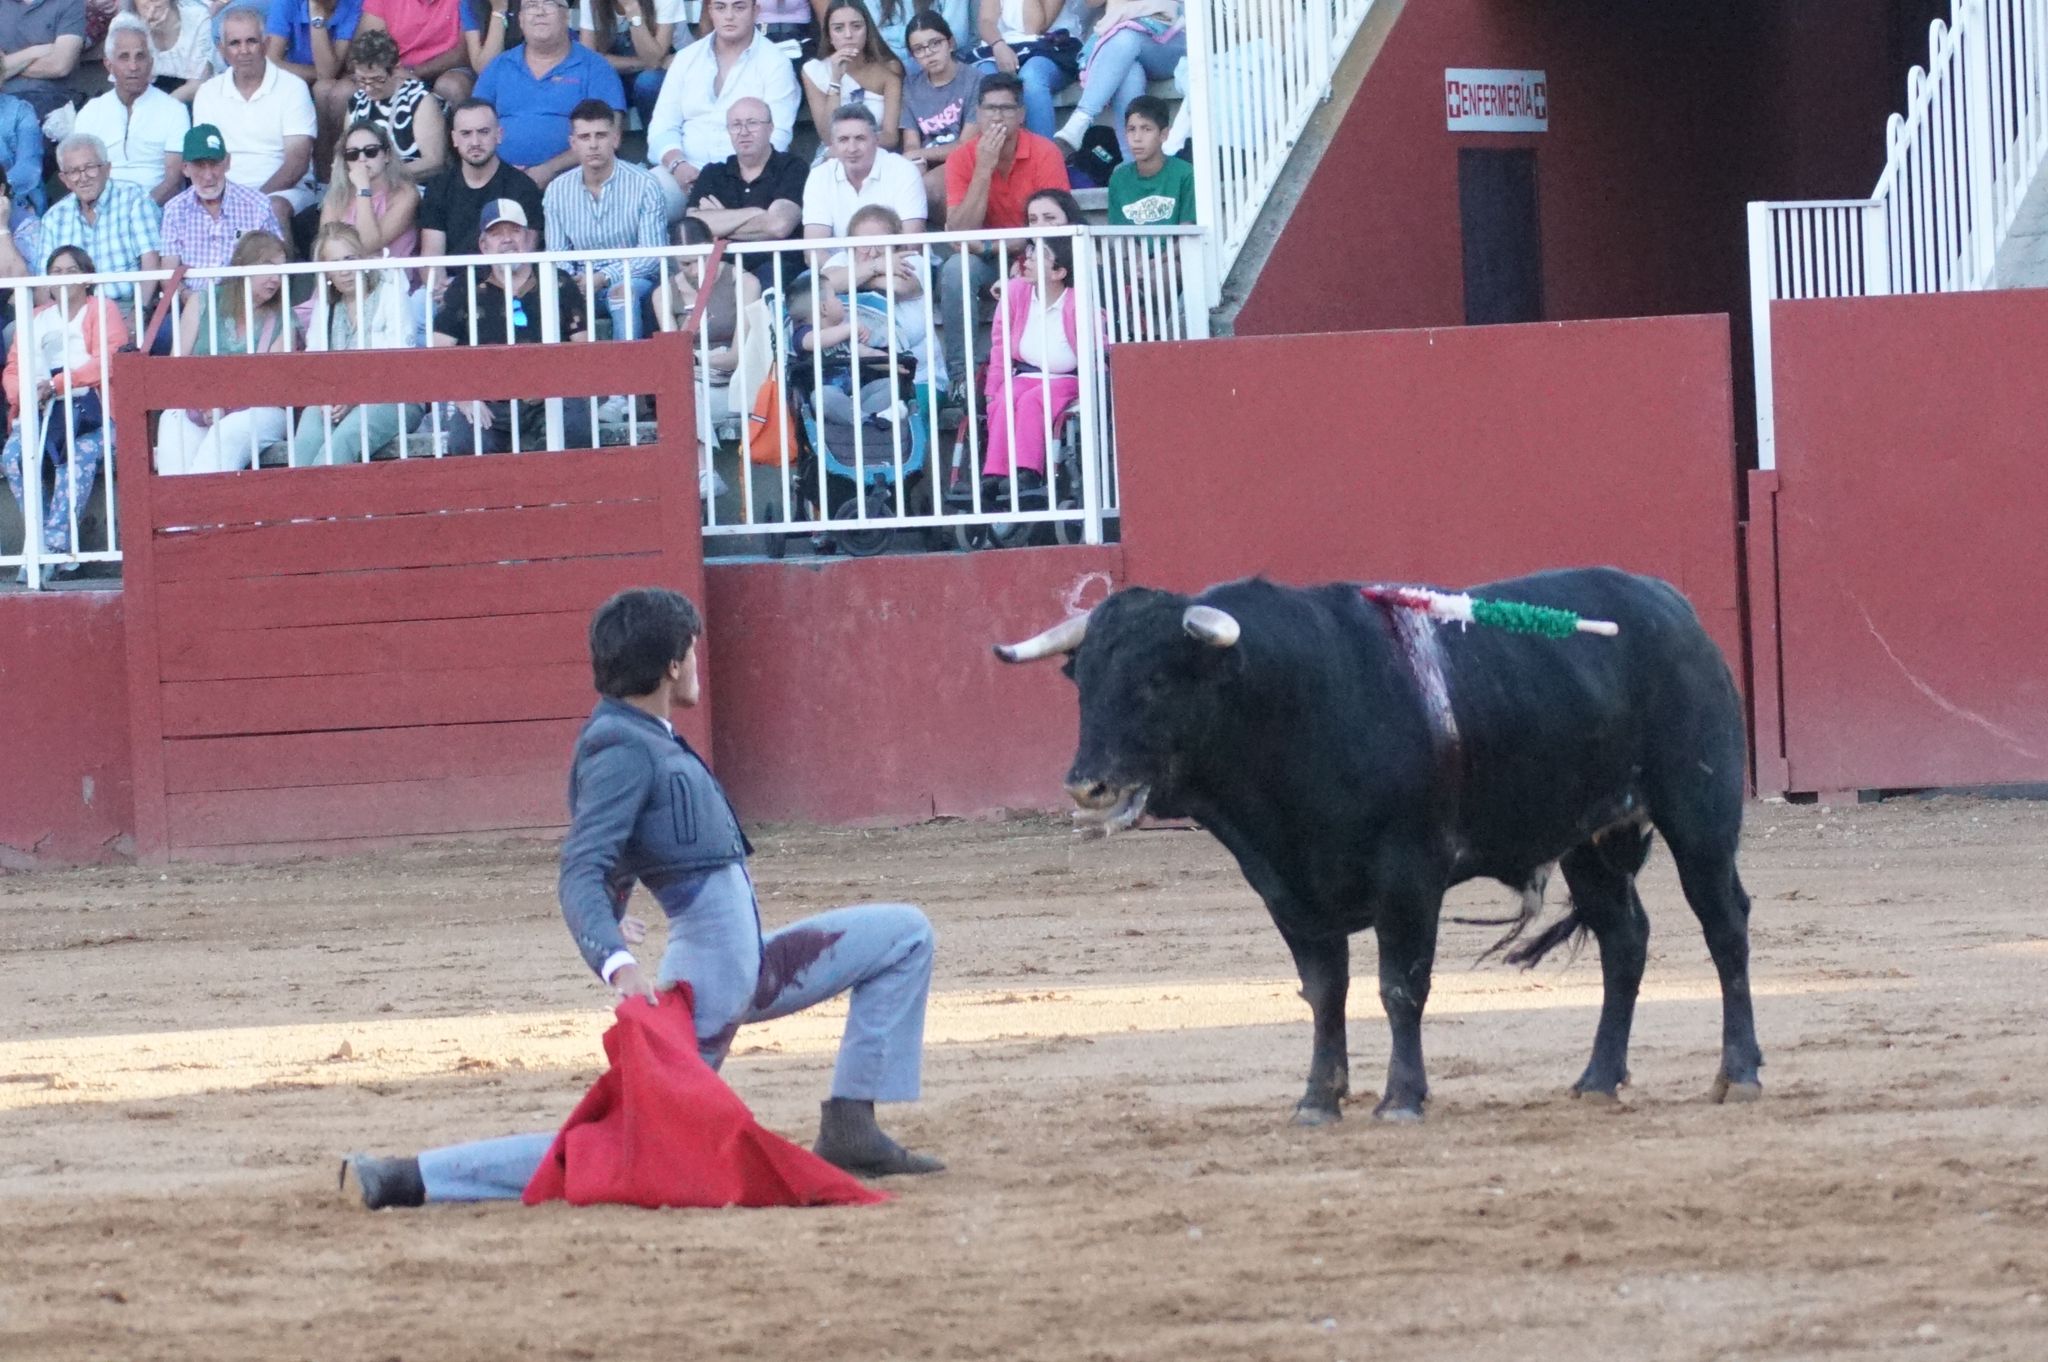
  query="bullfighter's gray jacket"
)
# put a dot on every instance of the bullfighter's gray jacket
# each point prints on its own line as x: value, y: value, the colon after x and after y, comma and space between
x: 642, y: 806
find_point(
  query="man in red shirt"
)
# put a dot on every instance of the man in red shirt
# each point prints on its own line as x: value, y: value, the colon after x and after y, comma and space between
x: 988, y: 182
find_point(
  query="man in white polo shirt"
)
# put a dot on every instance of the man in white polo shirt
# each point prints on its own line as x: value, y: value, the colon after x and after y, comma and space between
x: 266, y: 115
x: 143, y: 127
x: 733, y: 61
x: 860, y: 171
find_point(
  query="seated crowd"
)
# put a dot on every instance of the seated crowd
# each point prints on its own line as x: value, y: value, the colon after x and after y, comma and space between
x: 252, y: 132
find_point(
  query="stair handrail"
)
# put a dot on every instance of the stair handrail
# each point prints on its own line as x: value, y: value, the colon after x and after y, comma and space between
x: 1256, y: 71
x: 1958, y: 163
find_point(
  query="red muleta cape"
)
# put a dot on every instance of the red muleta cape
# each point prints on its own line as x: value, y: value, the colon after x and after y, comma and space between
x: 659, y: 1128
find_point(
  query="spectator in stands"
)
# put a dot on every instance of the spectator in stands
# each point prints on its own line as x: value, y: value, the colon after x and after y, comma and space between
x: 856, y: 69
x: 537, y: 85
x: 143, y: 128
x: 236, y: 316
x: 265, y: 114
x: 857, y: 174
x: 636, y: 38
x: 310, y: 39
x: 370, y: 193
x: 403, y: 105
x: 1151, y: 189
x: 21, y: 241
x: 353, y: 310
x: 755, y: 194
x: 1134, y: 41
x: 893, y: 19
x: 456, y: 197
x: 440, y: 41
x: 511, y: 292
x: 735, y: 349
x: 73, y: 332
x: 938, y: 106
x: 181, y: 42
x: 21, y: 142
x: 609, y: 205
x: 1038, y: 41
x: 1035, y: 363
x: 114, y: 222
x: 40, y: 44
x: 988, y: 183
x: 733, y: 62
x: 789, y: 21
x: 895, y: 275
x: 205, y: 222
x: 1053, y: 208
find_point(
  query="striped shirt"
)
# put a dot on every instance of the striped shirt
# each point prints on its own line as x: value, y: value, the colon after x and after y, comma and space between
x: 627, y: 210
x: 126, y: 227
x: 197, y: 238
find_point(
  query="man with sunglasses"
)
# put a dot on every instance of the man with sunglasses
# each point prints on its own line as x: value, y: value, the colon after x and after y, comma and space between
x: 506, y: 310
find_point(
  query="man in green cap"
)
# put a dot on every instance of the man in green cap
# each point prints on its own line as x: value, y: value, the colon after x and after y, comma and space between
x: 203, y: 221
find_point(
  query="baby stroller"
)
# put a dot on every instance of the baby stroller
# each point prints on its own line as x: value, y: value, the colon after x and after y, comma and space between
x: 851, y: 432
x: 1033, y: 492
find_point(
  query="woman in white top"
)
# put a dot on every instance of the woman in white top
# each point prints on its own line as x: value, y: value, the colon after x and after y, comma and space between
x: 857, y: 70
x: 181, y: 39
x: 354, y: 310
x: 242, y: 315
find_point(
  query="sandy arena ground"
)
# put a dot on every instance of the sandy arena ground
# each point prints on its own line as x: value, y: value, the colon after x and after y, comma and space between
x: 1115, y: 1047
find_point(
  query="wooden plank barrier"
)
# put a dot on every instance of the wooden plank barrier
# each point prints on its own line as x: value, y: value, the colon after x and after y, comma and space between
x: 327, y: 658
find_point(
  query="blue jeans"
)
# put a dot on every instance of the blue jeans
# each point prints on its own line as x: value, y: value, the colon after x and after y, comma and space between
x: 634, y: 322
x: 880, y: 951
x: 646, y: 89
x: 1043, y: 78
x: 1123, y: 65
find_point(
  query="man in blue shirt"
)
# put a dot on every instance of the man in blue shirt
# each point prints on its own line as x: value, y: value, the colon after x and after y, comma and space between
x: 535, y: 85
x: 21, y: 142
x: 310, y: 39
x: 645, y: 808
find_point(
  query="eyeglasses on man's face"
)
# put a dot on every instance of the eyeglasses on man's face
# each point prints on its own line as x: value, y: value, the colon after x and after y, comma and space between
x: 1005, y: 110
x: 747, y: 124
x: 82, y: 170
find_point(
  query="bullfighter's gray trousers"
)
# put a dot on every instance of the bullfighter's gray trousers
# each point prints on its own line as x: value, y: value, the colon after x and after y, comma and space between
x: 881, y: 951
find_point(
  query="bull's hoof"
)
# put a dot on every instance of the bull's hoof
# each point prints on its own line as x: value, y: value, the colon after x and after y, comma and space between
x: 1727, y: 1089
x: 1398, y: 1113
x: 1310, y: 1114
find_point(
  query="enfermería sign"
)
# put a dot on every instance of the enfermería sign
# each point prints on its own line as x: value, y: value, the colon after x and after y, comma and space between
x: 1479, y: 99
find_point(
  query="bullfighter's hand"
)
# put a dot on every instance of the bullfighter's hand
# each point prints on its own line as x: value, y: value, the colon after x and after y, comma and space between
x: 633, y: 929
x: 631, y: 983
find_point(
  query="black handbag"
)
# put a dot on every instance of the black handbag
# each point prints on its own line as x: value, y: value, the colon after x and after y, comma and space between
x: 58, y: 431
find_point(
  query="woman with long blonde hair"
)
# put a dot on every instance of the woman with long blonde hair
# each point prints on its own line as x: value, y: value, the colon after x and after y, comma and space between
x: 370, y: 191
x: 242, y: 315
x: 353, y: 310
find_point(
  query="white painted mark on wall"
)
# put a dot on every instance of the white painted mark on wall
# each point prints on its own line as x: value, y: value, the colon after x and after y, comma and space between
x: 1080, y: 589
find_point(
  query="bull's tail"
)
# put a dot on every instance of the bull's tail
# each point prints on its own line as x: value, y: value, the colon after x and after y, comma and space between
x: 1569, y: 928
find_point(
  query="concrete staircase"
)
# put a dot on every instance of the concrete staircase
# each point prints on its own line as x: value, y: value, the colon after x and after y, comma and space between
x: 2023, y: 256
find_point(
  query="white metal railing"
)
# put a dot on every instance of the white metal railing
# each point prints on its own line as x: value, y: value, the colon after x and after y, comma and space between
x: 1959, y: 162
x: 915, y: 463
x: 1256, y: 71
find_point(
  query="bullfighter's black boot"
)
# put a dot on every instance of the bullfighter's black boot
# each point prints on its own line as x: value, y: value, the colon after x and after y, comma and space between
x: 385, y: 1182
x: 849, y: 1138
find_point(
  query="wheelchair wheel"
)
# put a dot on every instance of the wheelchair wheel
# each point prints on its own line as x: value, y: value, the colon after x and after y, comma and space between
x: 865, y: 543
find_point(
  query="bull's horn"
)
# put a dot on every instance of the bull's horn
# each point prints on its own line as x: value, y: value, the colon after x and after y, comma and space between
x: 1214, y: 627
x: 1063, y: 637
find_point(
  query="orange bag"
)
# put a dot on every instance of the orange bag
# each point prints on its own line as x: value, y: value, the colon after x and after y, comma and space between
x: 770, y: 430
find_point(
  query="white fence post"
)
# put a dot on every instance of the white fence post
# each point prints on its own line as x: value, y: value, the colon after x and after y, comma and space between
x: 1979, y: 160
x: 1762, y: 269
x: 1208, y: 146
x: 1088, y: 332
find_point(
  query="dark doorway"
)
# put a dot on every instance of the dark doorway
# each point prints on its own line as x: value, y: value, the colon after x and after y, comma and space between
x: 1503, y: 246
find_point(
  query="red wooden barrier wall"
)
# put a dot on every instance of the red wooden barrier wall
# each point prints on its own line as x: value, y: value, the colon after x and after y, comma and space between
x: 1451, y: 456
x: 1899, y: 591
x: 328, y: 657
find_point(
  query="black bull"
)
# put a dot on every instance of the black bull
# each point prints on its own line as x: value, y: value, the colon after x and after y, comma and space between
x: 1293, y: 724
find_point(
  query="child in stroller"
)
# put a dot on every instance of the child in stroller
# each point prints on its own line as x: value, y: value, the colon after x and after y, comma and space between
x: 856, y: 410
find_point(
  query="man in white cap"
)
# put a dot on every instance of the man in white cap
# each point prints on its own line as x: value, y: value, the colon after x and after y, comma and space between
x: 508, y: 312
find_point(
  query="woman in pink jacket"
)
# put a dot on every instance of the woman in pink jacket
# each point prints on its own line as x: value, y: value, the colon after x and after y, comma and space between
x: 72, y: 333
x: 1034, y: 359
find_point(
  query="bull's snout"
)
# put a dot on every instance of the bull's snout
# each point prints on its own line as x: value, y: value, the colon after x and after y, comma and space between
x: 1091, y: 794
